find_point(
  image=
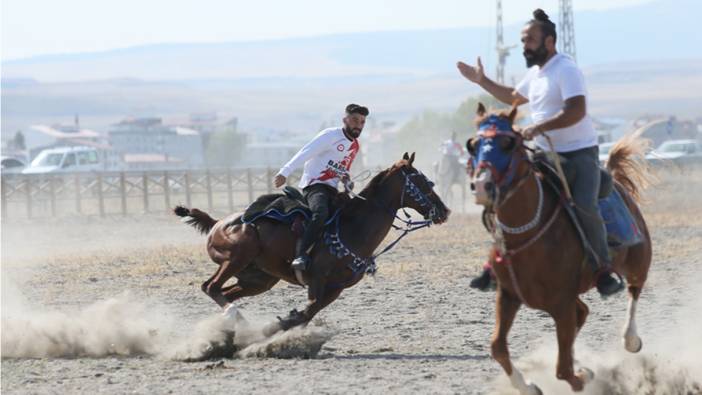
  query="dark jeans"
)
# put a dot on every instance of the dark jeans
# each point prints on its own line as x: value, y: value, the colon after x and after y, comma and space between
x: 319, y: 198
x: 582, y: 170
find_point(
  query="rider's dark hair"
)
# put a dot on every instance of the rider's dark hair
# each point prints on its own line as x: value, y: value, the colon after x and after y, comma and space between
x: 548, y: 28
x: 356, y: 109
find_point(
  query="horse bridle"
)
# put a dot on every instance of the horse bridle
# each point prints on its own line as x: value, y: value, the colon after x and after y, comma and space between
x: 417, y: 195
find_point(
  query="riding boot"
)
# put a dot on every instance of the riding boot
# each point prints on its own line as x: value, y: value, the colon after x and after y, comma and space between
x: 318, y: 198
x: 302, y: 246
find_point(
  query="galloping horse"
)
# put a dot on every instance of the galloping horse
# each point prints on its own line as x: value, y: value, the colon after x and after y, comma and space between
x: 259, y: 253
x: 539, y: 259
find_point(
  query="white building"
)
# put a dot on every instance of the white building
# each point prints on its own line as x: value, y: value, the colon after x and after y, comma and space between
x: 147, y: 140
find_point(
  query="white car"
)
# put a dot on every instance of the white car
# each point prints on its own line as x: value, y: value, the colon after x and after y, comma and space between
x: 681, y: 152
x: 11, y: 165
x: 604, y: 151
x: 66, y: 159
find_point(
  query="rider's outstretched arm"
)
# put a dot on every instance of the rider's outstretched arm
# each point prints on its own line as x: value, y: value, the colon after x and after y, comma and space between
x: 503, y: 93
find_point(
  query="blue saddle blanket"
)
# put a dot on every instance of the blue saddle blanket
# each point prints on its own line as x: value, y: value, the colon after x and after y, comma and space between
x: 622, y: 230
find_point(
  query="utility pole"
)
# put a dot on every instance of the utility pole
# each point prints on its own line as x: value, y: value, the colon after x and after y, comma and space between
x: 502, y: 50
x: 566, y: 34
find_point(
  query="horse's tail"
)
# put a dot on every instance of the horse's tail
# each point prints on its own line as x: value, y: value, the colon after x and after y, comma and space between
x: 628, y: 166
x: 199, y: 220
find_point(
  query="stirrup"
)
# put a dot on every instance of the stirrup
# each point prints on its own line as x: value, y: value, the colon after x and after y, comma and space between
x: 301, y: 263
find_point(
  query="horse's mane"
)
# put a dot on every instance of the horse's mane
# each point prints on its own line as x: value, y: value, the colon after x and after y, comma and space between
x: 369, y: 190
x: 372, y: 186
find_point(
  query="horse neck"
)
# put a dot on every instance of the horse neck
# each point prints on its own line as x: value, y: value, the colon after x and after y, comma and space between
x: 371, y: 220
x: 522, y: 205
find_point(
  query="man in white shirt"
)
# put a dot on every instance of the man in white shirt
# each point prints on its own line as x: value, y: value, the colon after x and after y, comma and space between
x: 554, y: 87
x: 451, y: 147
x: 327, y: 160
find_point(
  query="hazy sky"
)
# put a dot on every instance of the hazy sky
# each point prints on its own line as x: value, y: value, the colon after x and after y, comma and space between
x: 35, y: 27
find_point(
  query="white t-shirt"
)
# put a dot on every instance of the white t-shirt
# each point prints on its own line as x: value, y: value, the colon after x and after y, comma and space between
x: 326, y: 158
x: 547, y: 89
x: 452, y: 148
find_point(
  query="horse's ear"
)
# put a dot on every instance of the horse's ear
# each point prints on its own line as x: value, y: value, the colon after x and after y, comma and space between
x: 405, y: 156
x: 481, y: 109
x: 411, y: 159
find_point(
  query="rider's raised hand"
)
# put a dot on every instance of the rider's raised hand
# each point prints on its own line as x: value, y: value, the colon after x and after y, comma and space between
x: 279, y: 181
x: 472, y: 73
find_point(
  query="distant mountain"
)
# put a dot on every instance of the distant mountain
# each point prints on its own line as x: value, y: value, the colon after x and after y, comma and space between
x: 660, y: 30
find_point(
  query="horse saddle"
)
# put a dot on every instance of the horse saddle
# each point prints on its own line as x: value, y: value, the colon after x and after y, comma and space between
x: 289, y: 207
x: 622, y: 230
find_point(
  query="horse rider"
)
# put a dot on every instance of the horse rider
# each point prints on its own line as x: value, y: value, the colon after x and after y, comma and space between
x: 554, y: 87
x: 451, y: 147
x: 327, y: 159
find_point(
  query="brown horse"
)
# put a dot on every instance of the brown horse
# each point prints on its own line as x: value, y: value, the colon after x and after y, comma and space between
x: 259, y: 254
x: 540, y: 260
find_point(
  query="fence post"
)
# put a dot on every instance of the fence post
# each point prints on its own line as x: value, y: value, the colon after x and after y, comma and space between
x: 3, y: 188
x: 209, y: 189
x: 166, y: 192
x: 230, y: 192
x: 269, y: 180
x: 52, y: 191
x: 78, y: 192
x: 123, y: 192
x: 249, y: 183
x: 187, y: 189
x: 28, y: 189
x: 101, y: 200
x: 463, y: 197
x: 145, y: 185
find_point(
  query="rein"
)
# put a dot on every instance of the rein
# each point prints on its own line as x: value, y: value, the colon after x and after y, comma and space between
x: 360, y: 264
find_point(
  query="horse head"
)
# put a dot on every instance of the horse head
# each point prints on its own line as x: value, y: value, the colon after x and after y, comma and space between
x: 497, y: 156
x: 412, y: 189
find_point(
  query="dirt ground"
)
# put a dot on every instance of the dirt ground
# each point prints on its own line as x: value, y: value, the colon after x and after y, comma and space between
x: 114, y: 305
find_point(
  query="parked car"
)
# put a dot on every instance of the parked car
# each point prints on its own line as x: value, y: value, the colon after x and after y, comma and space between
x: 66, y: 159
x: 679, y: 152
x: 10, y: 165
x: 604, y: 151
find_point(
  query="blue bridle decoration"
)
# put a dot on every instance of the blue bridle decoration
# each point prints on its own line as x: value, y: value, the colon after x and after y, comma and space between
x: 359, y: 264
x: 489, y: 154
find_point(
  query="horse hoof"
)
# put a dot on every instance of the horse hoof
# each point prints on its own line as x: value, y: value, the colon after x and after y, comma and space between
x: 586, y: 375
x: 633, y: 344
x: 533, y: 389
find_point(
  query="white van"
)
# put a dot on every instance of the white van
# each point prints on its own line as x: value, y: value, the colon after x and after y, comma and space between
x: 67, y: 159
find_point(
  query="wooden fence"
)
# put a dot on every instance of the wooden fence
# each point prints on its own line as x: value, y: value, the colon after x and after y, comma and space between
x: 125, y: 193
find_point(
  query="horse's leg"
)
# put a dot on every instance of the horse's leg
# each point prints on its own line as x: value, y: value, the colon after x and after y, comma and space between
x: 581, y: 312
x: 566, y: 330
x: 248, y: 286
x: 637, y: 262
x: 244, y: 289
x: 320, y: 301
x: 227, y: 269
x: 632, y: 341
x: 506, y: 310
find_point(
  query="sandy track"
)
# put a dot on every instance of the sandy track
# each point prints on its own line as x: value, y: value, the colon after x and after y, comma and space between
x: 415, y: 327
